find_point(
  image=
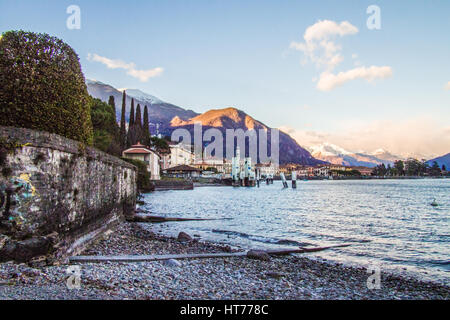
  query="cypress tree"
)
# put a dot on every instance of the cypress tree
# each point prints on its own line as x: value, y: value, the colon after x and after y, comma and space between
x: 131, y: 122
x: 112, y: 103
x: 131, y: 127
x: 146, y: 128
x: 123, y: 130
x: 114, y: 127
x: 138, y: 125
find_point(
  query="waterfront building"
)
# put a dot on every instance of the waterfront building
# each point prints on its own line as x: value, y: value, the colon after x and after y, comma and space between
x: 147, y: 155
x: 180, y: 154
x: 183, y: 171
x: 267, y: 169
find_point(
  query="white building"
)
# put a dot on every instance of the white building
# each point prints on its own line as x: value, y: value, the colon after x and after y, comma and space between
x: 181, y: 154
x: 149, y: 156
x: 267, y: 169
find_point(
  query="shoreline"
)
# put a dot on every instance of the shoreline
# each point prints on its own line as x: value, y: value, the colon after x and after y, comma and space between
x: 294, y: 277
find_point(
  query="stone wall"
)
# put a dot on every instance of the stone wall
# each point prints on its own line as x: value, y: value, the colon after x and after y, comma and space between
x: 56, y: 195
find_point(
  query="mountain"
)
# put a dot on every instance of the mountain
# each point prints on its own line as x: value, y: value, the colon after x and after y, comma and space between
x: 443, y: 160
x: 160, y: 112
x: 384, y: 155
x: 337, y: 155
x: 169, y: 117
x: 232, y: 118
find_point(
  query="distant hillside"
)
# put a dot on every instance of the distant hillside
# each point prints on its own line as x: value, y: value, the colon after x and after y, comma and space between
x: 170, y: 117
x: 159, y: 111
x: 443, y: 160
x: 232, y: 118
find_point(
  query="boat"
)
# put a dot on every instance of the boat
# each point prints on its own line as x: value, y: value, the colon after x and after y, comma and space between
x: 434, y: 203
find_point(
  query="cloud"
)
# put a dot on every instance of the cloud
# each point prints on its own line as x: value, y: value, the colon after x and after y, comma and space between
x: 328, y: 81
x: 447, y: 86
x: 142, y: 75
x: 319, y: 47
x: 419, y: 137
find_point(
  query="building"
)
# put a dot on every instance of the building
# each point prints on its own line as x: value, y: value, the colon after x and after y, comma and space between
x: 180, y: 154
x: 365, y: 171
x: 147, y: 155
x: 206, y: 165
x: 322, y: 171
x: 183, y: 171
x: 267, y: 169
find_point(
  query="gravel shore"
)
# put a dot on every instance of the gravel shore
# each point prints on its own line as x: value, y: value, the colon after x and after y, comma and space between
x: 289, y: 277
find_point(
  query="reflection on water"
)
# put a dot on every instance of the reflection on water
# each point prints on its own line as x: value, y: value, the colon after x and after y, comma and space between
x: 389, y: 222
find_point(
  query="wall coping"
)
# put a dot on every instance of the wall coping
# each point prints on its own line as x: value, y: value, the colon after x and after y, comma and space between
x: 43, y: 139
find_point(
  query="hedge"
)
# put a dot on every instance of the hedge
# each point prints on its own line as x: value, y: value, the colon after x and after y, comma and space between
x: 42, y: 86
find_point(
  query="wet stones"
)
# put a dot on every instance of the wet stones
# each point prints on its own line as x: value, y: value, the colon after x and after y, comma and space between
x: 258, y: 255
x: 184, y: 237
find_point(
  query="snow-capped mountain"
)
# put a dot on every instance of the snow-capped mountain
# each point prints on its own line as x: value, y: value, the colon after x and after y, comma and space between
x: 337, y: 155
x: 329, y: 149
x: 159, y: 112
x: 384, y: 155
x: 142, y: 96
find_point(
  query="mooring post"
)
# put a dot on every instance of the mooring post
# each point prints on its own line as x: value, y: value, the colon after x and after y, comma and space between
x: 294, y: 180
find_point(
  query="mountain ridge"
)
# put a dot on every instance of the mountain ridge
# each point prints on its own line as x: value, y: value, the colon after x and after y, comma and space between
x: 168, y: 117
x: 338, y: 155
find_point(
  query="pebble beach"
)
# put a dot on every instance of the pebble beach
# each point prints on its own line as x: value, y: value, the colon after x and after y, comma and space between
x: 293, y: 277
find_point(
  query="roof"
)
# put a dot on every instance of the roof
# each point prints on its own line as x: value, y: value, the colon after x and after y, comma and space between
x: 138, y: 149
x: 183, y: 167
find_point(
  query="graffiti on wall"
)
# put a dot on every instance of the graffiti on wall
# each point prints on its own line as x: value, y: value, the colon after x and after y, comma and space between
x: 15, y: 198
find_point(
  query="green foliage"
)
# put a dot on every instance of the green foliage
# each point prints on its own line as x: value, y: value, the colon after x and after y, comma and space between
x: 106, y: 130
x: 146, y: 128
x: 159, y: 144
x: 143, y: 179
x: 352, y: 172
x: 123, y: 130
x: 131, y: 134
x: 42, y: 86
x: 435, y: 170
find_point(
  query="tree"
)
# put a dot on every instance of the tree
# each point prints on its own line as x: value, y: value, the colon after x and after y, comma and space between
x: 42, y: 86
x: 138, y: 125
x: 435, y: 170
x: 123, y: 130
x: 131, y: 120
x: 106, y: 130
x: 146, y: 128
x: 400, y: 167
x: 444, y: 168
x: 131, y: 129
x: 159, y: 144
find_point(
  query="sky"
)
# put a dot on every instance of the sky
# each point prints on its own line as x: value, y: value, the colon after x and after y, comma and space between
x: 312, y: 68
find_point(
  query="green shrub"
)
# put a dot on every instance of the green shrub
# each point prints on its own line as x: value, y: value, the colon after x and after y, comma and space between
x: 106, y: 130
x: 42, y: 86
x: 143, y: 179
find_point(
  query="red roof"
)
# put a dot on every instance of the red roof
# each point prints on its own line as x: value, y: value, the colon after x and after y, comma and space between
x: 138, y: 149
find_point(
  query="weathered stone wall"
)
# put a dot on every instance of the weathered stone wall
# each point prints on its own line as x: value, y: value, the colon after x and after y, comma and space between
x: 56, y: 195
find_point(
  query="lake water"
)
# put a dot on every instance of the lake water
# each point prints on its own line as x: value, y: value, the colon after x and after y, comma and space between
x: 387, y: 222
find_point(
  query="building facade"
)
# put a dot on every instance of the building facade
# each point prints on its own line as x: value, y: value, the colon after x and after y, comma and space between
x: 147, y: 155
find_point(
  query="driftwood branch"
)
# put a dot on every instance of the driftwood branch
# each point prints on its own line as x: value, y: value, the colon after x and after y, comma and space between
x: 159, y: 219
x: 143, y: 258
x: 303, y: 250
